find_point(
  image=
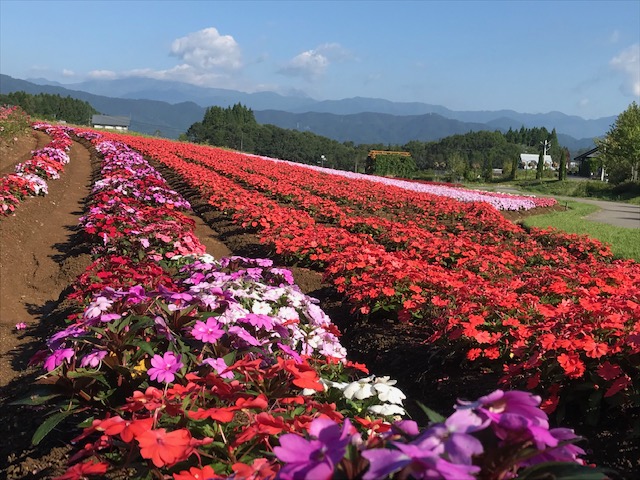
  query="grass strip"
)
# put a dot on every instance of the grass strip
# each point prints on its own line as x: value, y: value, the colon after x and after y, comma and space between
x: 624, y: 242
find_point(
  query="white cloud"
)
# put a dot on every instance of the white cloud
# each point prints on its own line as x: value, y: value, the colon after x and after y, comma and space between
x: 309, y: 65
x: 313, y: 63
x: 182, y: 73
x: 584, y: 102
x: 102, y: 74
x: 67, y: 73
x: 206, y: 49
x: 627, y: 62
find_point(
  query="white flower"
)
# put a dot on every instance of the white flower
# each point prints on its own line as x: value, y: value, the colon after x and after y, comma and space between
x: 94, y: 309
x: 261, y: 308
x: 360, y: 389
x: 332, y: 384
x: 386, y: 409
x: 388, y: 393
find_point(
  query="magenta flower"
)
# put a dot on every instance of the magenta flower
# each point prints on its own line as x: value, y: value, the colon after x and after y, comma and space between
x: 258, y: 320
x: 313, y: 459
x: 219, y: 365
x: 93, y: 359
x: 244, y: 335
x: 163, y: 368
x: 421, y: 462
x: 209, y: 332
x: 57, y: 357
x: 21, y: 326
x: 515, y: 417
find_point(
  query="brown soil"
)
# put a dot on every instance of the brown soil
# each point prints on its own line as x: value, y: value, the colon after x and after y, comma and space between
x: 42, y: 252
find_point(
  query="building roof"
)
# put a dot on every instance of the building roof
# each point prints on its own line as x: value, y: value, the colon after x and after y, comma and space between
x: 111, y: 120
x: 594, y: 152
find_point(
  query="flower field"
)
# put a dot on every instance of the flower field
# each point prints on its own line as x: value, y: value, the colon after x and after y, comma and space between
x: 180, y: 365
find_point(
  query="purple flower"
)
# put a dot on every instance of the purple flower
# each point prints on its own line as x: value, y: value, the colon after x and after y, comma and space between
x: 258, y: 320
x: 513, y: 402
x: 566, y: 452
x: 290, y: 351
x: 162, y: 329
x: 56, y: 340
x: 163, y: 368
x: 219, y: 365
x: 57, y: 357
x: 452, y: 438
x: 420, y: 462
x: 317, y: 457
x: 244, y: 335
x: 515, y: 417
x: 93, y: 359
x: 107, y: 317
x: 208, y: 332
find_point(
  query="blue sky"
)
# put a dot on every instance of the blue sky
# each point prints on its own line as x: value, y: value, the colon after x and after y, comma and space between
x: 578, y: 57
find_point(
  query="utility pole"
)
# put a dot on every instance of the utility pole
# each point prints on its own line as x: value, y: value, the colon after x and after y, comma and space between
x: 546, y: 144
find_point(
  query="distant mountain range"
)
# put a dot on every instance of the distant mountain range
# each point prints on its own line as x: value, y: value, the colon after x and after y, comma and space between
x: 172, y: 107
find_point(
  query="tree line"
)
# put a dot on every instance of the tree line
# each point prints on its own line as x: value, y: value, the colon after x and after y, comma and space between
x: 470, y: 156
x: 51, y: 107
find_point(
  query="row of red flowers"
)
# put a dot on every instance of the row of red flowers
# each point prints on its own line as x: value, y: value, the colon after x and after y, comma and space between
x: 30, y: 179
x: 551, y: 309
x: 247, y: 362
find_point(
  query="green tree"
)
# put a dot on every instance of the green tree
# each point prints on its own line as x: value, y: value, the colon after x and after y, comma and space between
x: 562, y: 164
x: 540, y: 166
x: 620, y: 148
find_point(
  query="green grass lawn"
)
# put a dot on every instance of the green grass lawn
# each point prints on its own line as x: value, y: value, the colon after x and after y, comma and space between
x: 624, y: 242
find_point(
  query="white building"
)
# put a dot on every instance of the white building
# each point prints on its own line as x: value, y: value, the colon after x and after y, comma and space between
x: 529, y: 161
x: 111, y: 122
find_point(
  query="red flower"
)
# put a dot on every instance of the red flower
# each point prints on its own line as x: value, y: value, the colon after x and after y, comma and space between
x: 128, y: 429
x: 260, y: 468
x: 620, y: 384
x: 609, y: 371
x: 595, y: 349
x: 571, y: 364
x: 164, y: 448
x: 196, y: 473
x: 81, y: 470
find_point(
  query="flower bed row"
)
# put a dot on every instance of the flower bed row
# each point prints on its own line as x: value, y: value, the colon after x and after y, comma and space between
x: 500, y: 201
x: 30, y: 179
x: 551, y: 310
x: 195, y: 368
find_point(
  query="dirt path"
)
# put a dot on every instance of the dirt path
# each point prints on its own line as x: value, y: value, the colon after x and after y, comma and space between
x: 41, y: 253
x: 37, y: 258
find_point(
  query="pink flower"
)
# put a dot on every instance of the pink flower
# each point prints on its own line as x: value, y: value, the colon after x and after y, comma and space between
x: 21, y: 326
x: 57, y: 358
x: 93, y: 359
x: 164, y: 368
x: 208, y: 332
x: 219, y: 365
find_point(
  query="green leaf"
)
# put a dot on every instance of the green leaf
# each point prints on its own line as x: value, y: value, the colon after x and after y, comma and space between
x: 49, y: 424
x: 35, y: 399
x: 432, y: 415
x: 563, y: 471
x: 144, y: 346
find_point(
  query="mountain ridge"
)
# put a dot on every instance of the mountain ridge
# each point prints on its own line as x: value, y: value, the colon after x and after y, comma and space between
x: 366, y: 120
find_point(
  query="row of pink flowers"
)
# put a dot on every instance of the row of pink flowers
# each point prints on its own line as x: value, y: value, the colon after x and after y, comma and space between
x: 501, y: 201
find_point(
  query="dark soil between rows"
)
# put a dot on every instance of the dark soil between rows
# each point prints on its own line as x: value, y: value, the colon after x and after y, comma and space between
x: 386, y: 347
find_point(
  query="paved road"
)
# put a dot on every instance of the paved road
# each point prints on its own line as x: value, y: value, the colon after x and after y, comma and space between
x: 613, y: 213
